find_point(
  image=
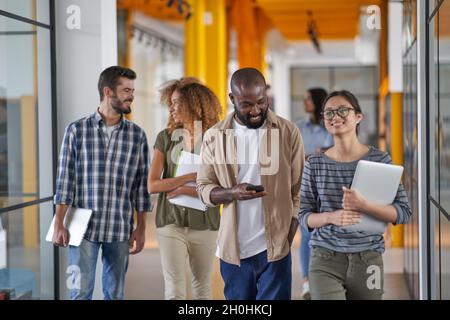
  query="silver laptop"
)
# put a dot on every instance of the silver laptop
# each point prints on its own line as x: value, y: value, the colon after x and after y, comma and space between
x: 378, y: 183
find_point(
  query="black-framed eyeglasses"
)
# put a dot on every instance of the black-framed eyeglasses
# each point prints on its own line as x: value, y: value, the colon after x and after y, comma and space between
x: 342, y: 112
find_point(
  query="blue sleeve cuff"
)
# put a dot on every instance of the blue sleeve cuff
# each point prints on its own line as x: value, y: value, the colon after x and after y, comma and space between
x: 61, y: 199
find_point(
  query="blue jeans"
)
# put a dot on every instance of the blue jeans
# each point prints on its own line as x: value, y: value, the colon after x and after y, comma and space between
x: 305, y: 251
x: 258, y: 279
x: 82, y: 265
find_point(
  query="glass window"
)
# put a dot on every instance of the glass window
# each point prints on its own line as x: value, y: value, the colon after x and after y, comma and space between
x: 305, y: 78
x: 444, y: 103
x: 357, y: 80
x: 26, y: 157
x: 410, y: 162
x: 435, y: 127
x: 435, y: 257
x: 445, y: 257
x: 25, y: 271
x: 409, y: 23
x: 25, y: 99
x: 37, y: 10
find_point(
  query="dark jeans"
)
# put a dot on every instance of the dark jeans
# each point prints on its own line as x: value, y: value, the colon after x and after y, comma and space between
x: 258, y: 279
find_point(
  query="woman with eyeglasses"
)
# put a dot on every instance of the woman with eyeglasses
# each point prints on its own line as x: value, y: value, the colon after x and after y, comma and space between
x: 315, y: 139
x: 344, y: 264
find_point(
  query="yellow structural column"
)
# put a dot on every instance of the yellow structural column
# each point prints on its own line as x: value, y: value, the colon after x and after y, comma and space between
x: 29, y: 170
x: 206, y: 46
x: 397, y: 151
x: 251, y: 26
x: 245, y: 25
x: 216, y: 47
x: 263, y: 26
x: 195, y: 42
x: 28, y: 111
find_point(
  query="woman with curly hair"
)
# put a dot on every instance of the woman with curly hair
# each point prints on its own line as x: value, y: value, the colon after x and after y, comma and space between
x: 184, y: 233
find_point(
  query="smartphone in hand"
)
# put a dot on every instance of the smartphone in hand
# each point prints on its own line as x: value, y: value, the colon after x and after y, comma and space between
x: 257, y: 188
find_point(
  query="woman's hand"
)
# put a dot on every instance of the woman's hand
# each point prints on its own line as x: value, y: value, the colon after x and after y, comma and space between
x: 343, y: 218
x: 175, y: 193
x: 189, y: 191
x: 353, y: 201
x: 191, y: 177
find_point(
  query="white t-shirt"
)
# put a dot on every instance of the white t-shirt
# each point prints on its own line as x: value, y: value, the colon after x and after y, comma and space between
x: 109, y: 130
x: 250, y: 213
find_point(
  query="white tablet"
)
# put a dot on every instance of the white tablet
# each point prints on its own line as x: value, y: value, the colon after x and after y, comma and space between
x: 378, y: 183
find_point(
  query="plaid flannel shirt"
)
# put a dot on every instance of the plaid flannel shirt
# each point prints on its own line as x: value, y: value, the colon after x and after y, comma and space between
x: 108, y: 176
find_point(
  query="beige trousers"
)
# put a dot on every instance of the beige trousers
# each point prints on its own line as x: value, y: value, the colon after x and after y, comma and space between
x: 179, y: 245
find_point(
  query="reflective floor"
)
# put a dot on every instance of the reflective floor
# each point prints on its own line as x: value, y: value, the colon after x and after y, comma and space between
x: 145, y: 280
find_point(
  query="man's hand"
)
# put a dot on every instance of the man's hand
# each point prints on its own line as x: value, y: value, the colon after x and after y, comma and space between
x: 60, y: 235
x: 292, y: 230
x: 221, y: 195
x: 353, y: 200
x: 137, y: 240
x: 240, y: 192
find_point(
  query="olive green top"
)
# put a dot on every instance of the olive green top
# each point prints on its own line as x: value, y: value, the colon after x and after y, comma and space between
x: 168, y: 213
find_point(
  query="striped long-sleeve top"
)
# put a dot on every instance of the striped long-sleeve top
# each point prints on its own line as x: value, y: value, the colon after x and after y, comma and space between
x: 321, y: 191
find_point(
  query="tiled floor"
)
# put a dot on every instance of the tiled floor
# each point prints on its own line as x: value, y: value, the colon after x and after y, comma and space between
x: 145, y: 280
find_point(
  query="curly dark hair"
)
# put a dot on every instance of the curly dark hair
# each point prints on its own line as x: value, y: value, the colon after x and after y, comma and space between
x: 201, y: 103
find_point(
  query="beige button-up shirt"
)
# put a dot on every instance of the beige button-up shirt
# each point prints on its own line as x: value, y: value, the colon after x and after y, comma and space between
x: 281, y: 160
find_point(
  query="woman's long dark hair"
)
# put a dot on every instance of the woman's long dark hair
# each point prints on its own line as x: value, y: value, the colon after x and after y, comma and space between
x: 318, y: 96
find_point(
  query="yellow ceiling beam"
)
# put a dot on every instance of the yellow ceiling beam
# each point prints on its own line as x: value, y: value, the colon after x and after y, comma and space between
x: 329, y: 36
x: 328, y: 14
x: 333, y: 19
x: 250, y: 39
x: 155, y: 9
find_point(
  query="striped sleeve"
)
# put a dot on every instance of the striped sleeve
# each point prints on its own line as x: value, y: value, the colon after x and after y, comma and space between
x: 65, y: 182
x: 401, y: 203
x: 308, y: 196
x: 141, y: 197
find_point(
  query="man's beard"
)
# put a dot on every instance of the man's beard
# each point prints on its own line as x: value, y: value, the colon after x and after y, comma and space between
x: 119, y: 106
x: 246, y: 119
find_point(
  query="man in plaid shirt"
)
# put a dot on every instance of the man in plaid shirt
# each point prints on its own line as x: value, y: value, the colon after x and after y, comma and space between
x: 103, y: 166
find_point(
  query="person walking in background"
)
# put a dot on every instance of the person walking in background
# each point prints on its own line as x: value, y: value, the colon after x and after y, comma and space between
x: 315, y: 139
x: 103, y: 166
x: 258, y: 223
x: 183, y: 232
x: 340, y: 259
x: 315, y: 136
